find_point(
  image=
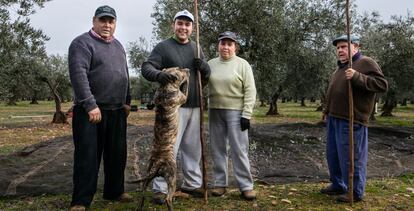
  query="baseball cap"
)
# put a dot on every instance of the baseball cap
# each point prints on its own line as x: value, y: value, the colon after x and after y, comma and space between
x: 105, y: 11
x: 228, y: 35
x: 354, y: 39
x: 184, y: 13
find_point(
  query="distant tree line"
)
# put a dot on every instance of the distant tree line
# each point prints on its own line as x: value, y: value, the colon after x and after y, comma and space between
x: 287, y: 42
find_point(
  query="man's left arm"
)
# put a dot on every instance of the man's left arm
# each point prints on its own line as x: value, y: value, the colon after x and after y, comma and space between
x: 127, y: 105
x: 372, y: 79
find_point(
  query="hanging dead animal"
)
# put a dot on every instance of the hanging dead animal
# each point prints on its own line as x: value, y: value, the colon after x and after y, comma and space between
x: 162, y: 162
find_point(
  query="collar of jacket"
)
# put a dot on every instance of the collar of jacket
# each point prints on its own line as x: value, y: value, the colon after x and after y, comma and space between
x: 354, y: 58
x: 96, y: 35
x: 176, y: 39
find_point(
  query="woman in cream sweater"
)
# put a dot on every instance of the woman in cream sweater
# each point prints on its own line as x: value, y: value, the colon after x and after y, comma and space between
x: 232, y: 95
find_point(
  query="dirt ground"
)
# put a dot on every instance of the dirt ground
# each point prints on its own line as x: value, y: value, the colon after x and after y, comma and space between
x: 278, y: 154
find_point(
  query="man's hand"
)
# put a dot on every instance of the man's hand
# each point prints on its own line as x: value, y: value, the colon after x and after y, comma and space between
x: 197, y: 63
x: 127, y: 109
x: 95, y: 115
x: 244, y: 123
x: 165, y: 78
x: 349, y: 73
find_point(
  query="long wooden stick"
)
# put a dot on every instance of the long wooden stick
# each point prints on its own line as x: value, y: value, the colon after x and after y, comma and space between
x: 351, y: 113
x: 200, y: 94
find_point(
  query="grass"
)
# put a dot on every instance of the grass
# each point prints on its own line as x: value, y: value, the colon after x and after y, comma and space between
x: 381, y: 194
x: 14, y: 116
x: 294, y: 113
x: 27, y: 124
x: 288, y: 113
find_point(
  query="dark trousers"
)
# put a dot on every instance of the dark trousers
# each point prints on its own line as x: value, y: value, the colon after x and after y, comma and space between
x: 106, y: 139
x: 337, y: 154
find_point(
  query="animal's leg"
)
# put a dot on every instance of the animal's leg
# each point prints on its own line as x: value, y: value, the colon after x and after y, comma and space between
x: 171, y: 179
x: 144, y: 187
x: 169, y: 204
x: 145, y: 184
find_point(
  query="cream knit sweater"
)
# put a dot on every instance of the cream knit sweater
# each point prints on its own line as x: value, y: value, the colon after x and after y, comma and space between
x: 231, y: 85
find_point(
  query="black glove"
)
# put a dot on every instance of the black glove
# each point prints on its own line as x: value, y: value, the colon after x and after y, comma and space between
x: 198, y: 63
x: 165, y: 78
x: 244, y: 123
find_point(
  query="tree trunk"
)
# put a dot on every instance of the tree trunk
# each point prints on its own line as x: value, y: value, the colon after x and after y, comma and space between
x: 59, y: 117
x: 205, y: 102
x: 323, y: 103
x: 13, y: 97
x: 273, y: 105
x: 313, y: 99
x: 273, y: 102
x: 389, y: 105
x: 34, y: 101
x: 34, y: 98
x: 372, y: 116
x: 11, y: 102
x: 302, y: 102
x: 374, y: 109
x: 283, y: 99
x: 262, y: 103
x: 404, y: 102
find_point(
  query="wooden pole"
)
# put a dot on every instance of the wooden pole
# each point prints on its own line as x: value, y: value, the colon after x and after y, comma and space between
x: 351, y: 113
x: 200, y: 94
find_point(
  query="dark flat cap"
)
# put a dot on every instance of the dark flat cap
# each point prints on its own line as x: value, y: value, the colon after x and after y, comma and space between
x: 354, y: 39
x: 228, y: 35
x: 105, y: 11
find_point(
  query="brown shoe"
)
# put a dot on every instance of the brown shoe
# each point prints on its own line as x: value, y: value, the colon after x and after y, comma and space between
x: 332, y: 191
x: 78, y: 208
x: 219, y: 191
x: 249, y: 195
x: 124, y: 198
x: 197, y: 192
x: 344, y: 198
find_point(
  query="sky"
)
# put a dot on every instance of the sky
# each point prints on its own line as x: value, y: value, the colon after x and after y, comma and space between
x: 386, y: 8
x: 63, y: 20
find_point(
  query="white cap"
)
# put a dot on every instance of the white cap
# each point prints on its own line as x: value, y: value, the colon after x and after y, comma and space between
x: 184, y: 13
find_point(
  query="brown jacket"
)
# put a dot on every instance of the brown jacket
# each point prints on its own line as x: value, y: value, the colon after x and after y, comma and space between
x: 366, y: 81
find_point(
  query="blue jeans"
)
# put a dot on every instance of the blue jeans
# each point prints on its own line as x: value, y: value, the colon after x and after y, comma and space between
x: 337, y: 154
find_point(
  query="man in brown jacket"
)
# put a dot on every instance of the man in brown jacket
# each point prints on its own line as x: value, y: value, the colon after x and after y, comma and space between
x: 367, y: 79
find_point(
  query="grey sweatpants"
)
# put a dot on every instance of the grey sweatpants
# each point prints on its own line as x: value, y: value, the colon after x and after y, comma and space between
x: 188, y: 142
x: 225, y: 129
